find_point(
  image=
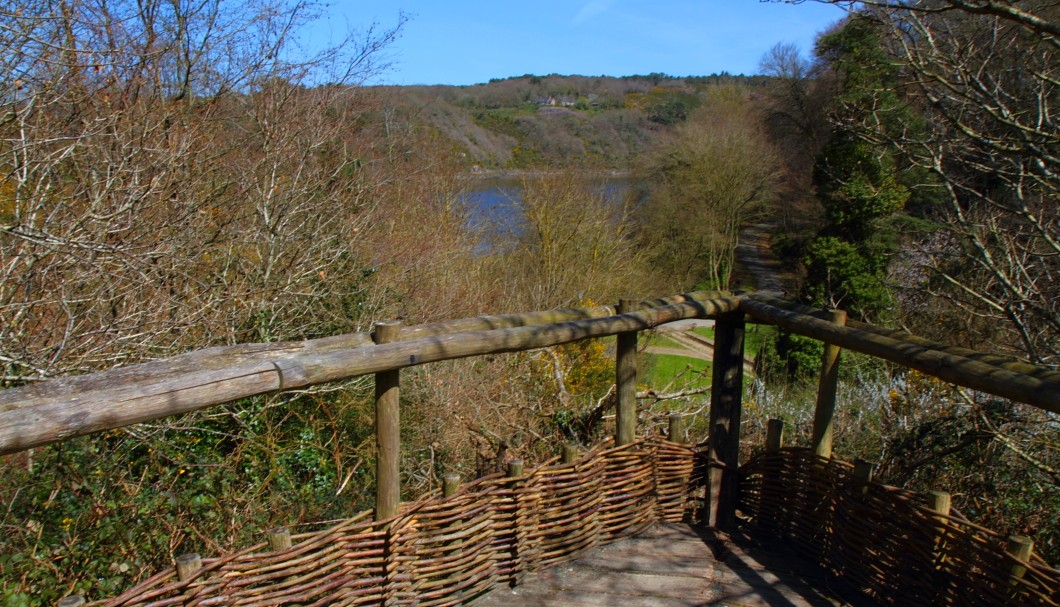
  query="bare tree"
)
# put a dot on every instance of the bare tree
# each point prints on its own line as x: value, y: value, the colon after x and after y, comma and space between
x: 715, y: 178
x: 167, y: 181
x: 567, y: 239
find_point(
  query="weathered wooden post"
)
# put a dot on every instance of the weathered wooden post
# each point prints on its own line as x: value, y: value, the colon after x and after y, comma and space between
x: 863, y: 472
x: 626, y: 380
x: 279, y: 539
x: 387, y: 430
x: 570, y: 453
x: 771, y: 514
x: 774, y: 435
x: 1020, y: 548
x: 187, y: 566
x: 515, y: 468
x: 676, y: 432
x: 725, y: 408
x: 450, y: 484
x: 823, y: 424
x: 521, y: 548
x: 940, y: 503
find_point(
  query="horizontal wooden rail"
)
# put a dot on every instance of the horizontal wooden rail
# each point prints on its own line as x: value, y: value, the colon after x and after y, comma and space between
x: 1007, y: 363
x: 507, y: 321
x: 55, y: 410
x: 1039, y: 388
x: 73, y: 406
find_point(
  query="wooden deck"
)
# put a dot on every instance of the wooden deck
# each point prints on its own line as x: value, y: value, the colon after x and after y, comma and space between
x: 670, y: 566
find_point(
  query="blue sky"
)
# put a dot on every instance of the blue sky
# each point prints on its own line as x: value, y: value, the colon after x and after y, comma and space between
x: 467, y: 42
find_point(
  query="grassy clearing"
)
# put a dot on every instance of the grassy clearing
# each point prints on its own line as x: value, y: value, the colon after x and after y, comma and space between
x: 660, y: 370
x: 707, y: 332
x: 659, y: 340
x: 755, y: 336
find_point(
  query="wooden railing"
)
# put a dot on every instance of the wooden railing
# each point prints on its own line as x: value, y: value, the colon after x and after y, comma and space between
x: 50, y: 411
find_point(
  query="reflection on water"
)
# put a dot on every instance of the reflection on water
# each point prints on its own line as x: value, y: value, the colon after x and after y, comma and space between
x: 493, y: 204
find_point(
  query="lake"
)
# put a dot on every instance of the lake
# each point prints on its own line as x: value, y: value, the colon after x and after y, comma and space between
x: 491, y: 201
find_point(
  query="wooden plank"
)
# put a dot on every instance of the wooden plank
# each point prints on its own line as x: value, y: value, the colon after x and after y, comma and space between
x: 1038, y: 389
x: 35, y: 415
x: 669, y: 564
x: 559, y: 597
x: 701, y: 566
x: 671, y: 532
x: 631, y: 583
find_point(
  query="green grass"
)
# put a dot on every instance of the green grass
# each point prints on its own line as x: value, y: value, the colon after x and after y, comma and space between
x: 660, y: 369
x: 757, y: 335
x: 707, y: 332
x: 659, y: 340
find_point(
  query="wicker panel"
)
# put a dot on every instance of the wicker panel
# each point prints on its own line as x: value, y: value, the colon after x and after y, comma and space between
x: 880, y: 541
x: 885, y: 542
x: 446, y: 551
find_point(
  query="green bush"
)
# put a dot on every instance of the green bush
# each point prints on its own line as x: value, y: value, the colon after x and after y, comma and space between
x: 96, y: 514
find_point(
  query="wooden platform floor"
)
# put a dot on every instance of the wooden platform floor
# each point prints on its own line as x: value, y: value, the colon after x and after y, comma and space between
x: 670, y: 566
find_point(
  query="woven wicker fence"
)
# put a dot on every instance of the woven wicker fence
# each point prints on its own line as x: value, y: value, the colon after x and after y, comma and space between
x: 886, y: 542
x: 445, y: 551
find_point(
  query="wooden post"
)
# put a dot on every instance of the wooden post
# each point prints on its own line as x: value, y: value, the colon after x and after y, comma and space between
x: 450, y: 484
x: 74, y: 600
x: 387, y: 431
x: 823, y: 424
x: 940, y: 503
x: 279, y: 539
x: 676, y: 432
x: 626, y: 380
x: 570, y: 453
x: 187, y: 565
x: 772, y: 515
x: 522, y: 549
x: 515, y: 468
x: 1020, y: 547
x: 725, y: 410
x: 774, y: 435
x: 863, y: 471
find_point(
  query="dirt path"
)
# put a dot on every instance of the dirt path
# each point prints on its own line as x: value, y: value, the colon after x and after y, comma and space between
x: 758, y: 266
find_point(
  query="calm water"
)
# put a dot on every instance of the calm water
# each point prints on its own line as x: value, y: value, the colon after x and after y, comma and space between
x: 492, y: 203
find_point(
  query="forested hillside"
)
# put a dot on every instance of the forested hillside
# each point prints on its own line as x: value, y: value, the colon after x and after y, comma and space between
x: 176, y: 176
x: 550, y: 121
x: 925, y: 136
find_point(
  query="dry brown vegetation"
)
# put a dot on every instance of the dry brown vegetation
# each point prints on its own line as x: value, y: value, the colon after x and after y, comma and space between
x: 174, y: 176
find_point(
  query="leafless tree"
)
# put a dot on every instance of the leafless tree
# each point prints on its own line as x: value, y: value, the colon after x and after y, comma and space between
x: 167, y: 181
x: 716, y: 177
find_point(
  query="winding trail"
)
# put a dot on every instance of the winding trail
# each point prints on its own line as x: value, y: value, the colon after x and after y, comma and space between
x: 756, y: 264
